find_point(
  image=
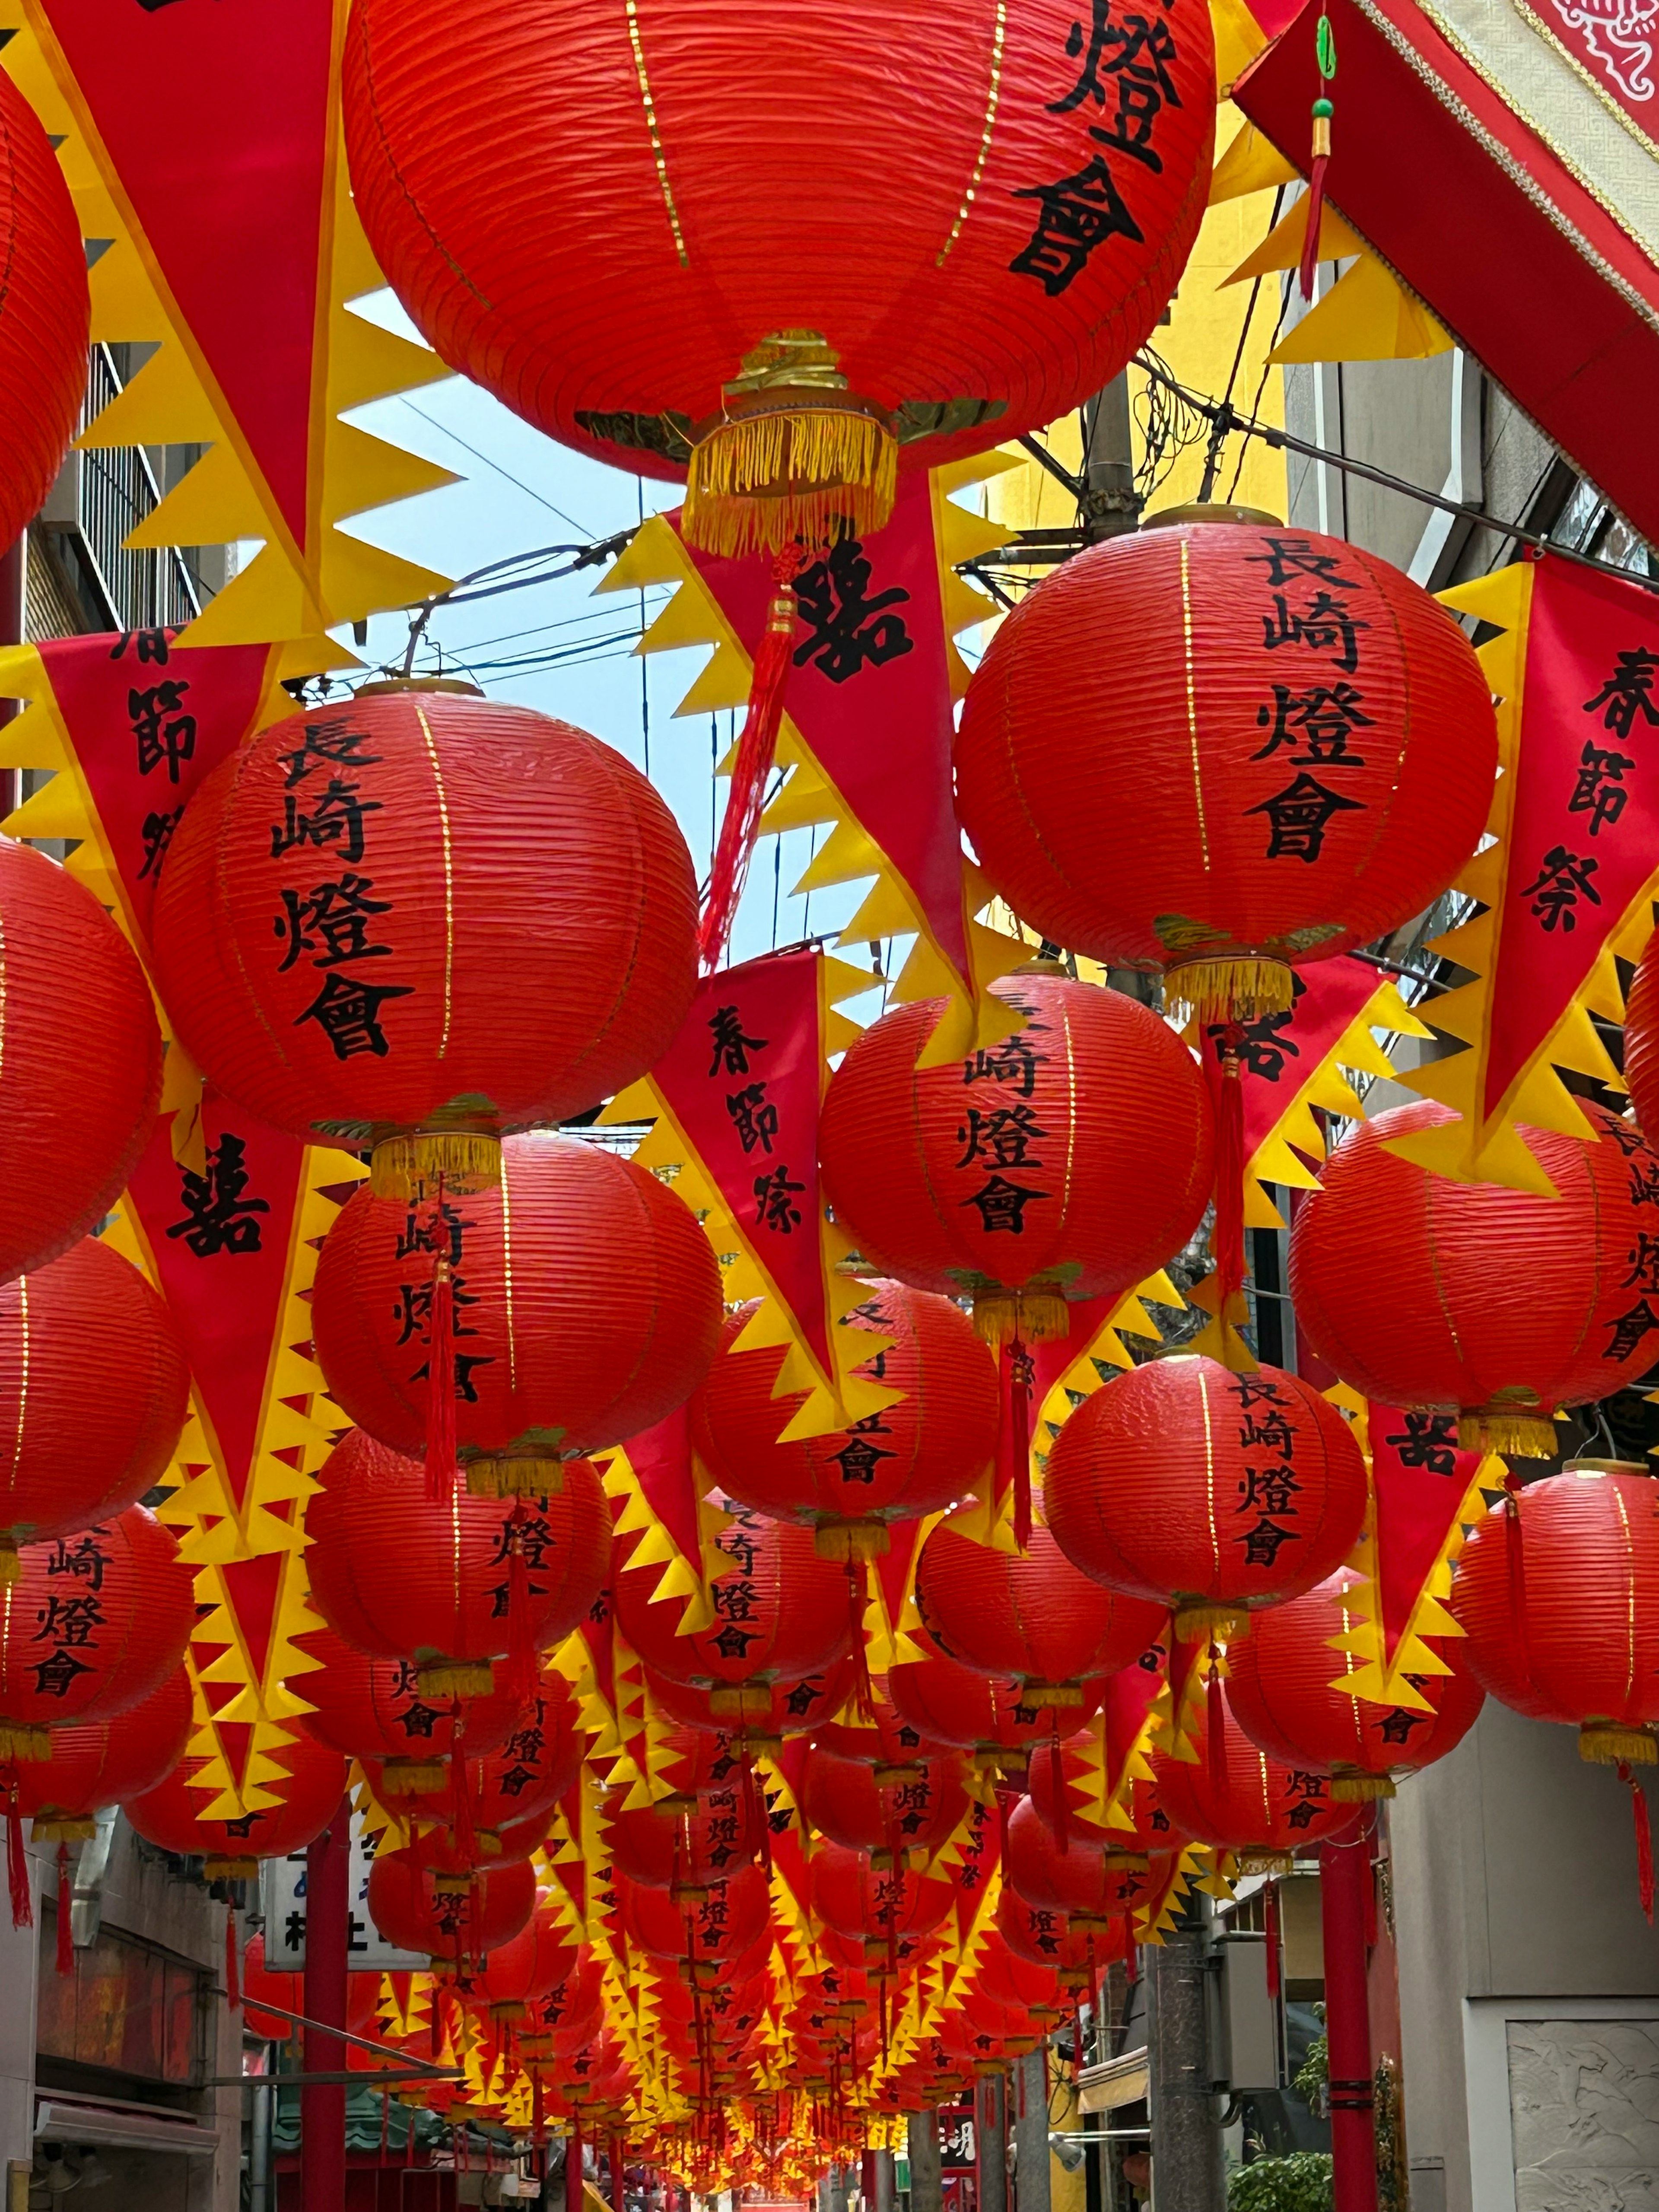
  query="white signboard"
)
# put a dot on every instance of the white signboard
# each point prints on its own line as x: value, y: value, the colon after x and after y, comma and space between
x: 283, y: 1901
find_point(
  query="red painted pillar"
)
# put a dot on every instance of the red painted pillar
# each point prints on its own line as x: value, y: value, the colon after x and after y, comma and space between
x: 572, y: 2169
x: 1345, y: 1878
x: 328, y: 1933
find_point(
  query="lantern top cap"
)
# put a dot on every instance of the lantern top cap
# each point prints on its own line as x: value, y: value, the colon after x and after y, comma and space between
x: 387, y: 687
x: 1586, y: 1466
x: 1205, y: 510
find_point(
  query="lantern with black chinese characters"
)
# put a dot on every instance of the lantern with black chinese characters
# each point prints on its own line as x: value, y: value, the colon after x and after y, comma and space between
x: 1043, y: 1935
x: 102, y: 1763
x: 1501, y: 1304
x: 458, y: 1922
x: 187, y: 1811
x: 905, y: 1820
x: 706, y: 1931
x: 539, y: 1959
x: 1238, y: 1799
x: 1091, y: 1885
x: 1100, y: 1778
x: 981, y: 1714
x: 421, y: 921
x: 684, y: 1848
x: 888, y: 1910
x: 790, y: 1708
x: 371, y: 1707
x: 1335, y: 737
x: 1207, y: 1492
x: 513, y: 1787
x: 897, y: 1464
x: 585, y: 1305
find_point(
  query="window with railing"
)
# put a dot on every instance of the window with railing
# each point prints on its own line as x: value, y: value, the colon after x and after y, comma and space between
x: 134, y: 589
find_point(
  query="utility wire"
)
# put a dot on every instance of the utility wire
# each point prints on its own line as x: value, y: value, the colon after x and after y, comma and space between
x: 455, y: 438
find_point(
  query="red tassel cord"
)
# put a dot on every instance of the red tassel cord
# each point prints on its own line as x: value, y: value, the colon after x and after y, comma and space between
x: 65, y: 1900
x: 462, y: 1835
x: 232, y: 1977
x: 1638, y: 1806
x: 1225, y: 1073
x: 751, y: 770
x: 440, y: 1389
x: 17, y: 1868
x: 1325, y: 52
x: 858, y: 1596
x: 1019, y: 1374
x: 1270, y: 1924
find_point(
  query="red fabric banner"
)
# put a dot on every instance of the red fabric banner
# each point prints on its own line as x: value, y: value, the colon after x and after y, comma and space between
x: 1280, y: 1052
x: 1420, y: 1477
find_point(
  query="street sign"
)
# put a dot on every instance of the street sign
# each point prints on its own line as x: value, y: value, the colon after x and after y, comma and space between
x: 283, y: 1901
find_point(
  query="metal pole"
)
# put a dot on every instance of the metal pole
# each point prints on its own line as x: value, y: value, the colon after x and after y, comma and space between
x: 1031, y: 2133
x: 1188, y: 2174
x: 991, y: 2144
x: 884, y: 2189
x: 927, y: 2184
x: 258, y: 2156
x: 328, y: 1934
x: 1345, y: 1871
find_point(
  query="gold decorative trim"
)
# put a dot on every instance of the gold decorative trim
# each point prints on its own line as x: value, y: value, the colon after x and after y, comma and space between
x: 1616, y: 108
x: 657, y: 155
x: 992, y: 99
x: 23, y: 1376
x: 449, y: 877
x: 1191, y: 702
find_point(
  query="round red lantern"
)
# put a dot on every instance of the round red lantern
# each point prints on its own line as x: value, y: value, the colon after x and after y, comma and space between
x: 1238, y: 1799
x: 456, y: 1923
x: 371, y: 1708
x: 979, y: 260
x: 174, y: 1816
x: 708, y: 1930
x: 1067, y: 1162
x: 1641, y: 1060
x: 103, y: 1763
x: 1043, y: 1935
x: 1143, y: 1826
x: 778, y: 1612
x: 1558, y: 1589
x: 684, y: 1849
x: 92, y: 1625
x: 1284, y: 1687
x: 45, y: 314
x: 426, y: 918
x: 1337, y: 741
x: 978, y: 1713
x: 908, y: 1818
x: 1090, y: 1885
x: 512, y: 1789
x: 539, y: 1959
x: 586, y: 1303
x: 93, y: 1391
x: 452, y: 1587
x: 898, y: 1464
x: 571, y: 2011
x: 1499, y: 1302
x: 790, y: 1708
x: 74, y: 1122
x: 880, y: 1908
x: 1030, y: 1617
x: 1211, y: 1492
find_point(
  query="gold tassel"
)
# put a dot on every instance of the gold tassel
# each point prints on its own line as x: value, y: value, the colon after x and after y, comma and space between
x: 512, y: 1474
x: 887, y: 1771
x: 229, y: 1869
x: 21, y: 1741
x: 1211, y: 1623
x: 1043, y: 1695
x: 1241, y: 989
x: 455, y: 1678
x: 408, y: 1169
x: 413, y: 1778
x: 736, y: 1701
x: 761, y: 482
x: 509, y: 2009
x: 1361, y: 1789
x: 1605, y: 1743
x: 11, y: 1567
x: 62, y: 1828
x: 1039, y: 1314
x: 1127, y: 1862
x: 861, y: 1542
x: 1507, y: 1429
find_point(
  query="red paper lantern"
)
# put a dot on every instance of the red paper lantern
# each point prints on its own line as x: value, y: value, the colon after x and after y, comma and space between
x: 1641, y: 1060
x: 75, y: 1121
x: 92, y: 1625
x: 1238, y: 1799
x: 790, y: 1709
x: 877, y: 1735
x: 1558, y: 1589
x: 1043, y: 1935
x: 910, y: 1817
x: 882, y: 1909
x: 539, y: 1960
x: 572, y: 2011
x: 980, y: 1714
x: 898, y: 1464
x: 371, y: 1708
x: 457, y: 1924
x: 1211, y: 1492
x: 1284, y: 1689
x: 424, y: 917
x: 684, y: 1849
x: 1145, y: 1828
x: 1030, y: 1617
x: 93, y: 1391
x: 103, y: 1763
x: 1091, y: 1885
x: 1327, y: 793
x: 44, y: 314
x: 977, y: 265
x: 708, y: 1930
x: 445, y: 1850
x: 1087, y: 1133
x: 1499, y: 1302
x: 1005, y: 1975
x: 587, y: 1308
x: 173, y: 1815
x: 780, y: 1612
x: 452, y: 1587
x: 514, y: 1786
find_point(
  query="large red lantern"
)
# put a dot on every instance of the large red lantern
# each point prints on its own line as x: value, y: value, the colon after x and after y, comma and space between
x: 538, y: 1960
x: 880, y: 1907
x: 788, y: 1708
x: 512, y: 1789
x: 452, y: 1587
x: 75, y: 1121
x: 684, y: 1849
x: 1330, y: 756
x: 93, y: 1391
x: 103, y: 1763
x: 1558, y: 1589
x: 456, y: 1923
x: 1208, y: 1492
x: 982, y: 256
x: 44, y: 314
x: 981, y: 1714
x: 910, y: 1816
x: 1285, y: 1686
x: 898, y: 1464
x: 1068, y: 1162
x: 424, y: 918
x: 778, y: 1612
x: 1499, y: 1302
x: 371, y: 1708
x: 587, y: 1306
x: 1030, y: 1617
x: 92, y: 1625
x: 1238, y: 1799
x: 174, y: 1816
x: 1091, y: 1885
x: 708, y: 1930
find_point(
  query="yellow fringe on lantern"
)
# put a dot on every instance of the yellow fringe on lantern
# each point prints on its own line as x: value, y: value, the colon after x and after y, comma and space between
x: 22, y: 1742
x: 736, y: 1701
x: 509, y: 2009
x: 1605, y: 1743
x: 1042, y: 1695
x: 409, y: 1168
x: 887, y: 1771
x: 452, y: 1885
x: 229, y: 1869
x: 63, y: 1828
x: 687, y: 1893
x: 1211, y: 1623
x: 1361, y: 1789
x: 1262, y: 1862
x: 1241, y: 989
x: 861, y: 1542
x: 514, y: 1475
x: 1036, y: 1314
x: 759, y: 482
x: 11, y: 1567
x: 455, y: 1678
x: 1127, y: 1862
x: 412, y: 1778
x: 1507, y: 1429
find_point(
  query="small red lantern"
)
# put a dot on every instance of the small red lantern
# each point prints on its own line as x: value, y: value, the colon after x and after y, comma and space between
x: 1238, y: 1799
x: 889, y: 1908
x: 709, y: 1930
x: 514, y: 1786
x: 103, y: 1763
x: 74, y: 1122
x: 173, y: 1815
x: 452, y: 1587
x: 458, y: 1924
x: 92, y: 1625
x: 790, y: 1709
x: 371, y: 1708
x: 908, y: 1818
x: 1030, y: 1617
x: 1145, y: 1828
x: 1558, y: 1589
x: 1324, y: 794
x: 980, y: 1714
x: 1209, y: 1491
x: 1043, y: 1935
x: 540, y: 1959
x: 1285, y: 1690
x: 93, y: 1391
x: 901, y: 1462
x: 421, y: 921
x: 1087, y: 1133
x: 684, y: 1849
x: 779, y: 1613
x: 1091, y: 1886
x: 571, y: 2011
x: 1499, y: 1302
x: 586, y: 1302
